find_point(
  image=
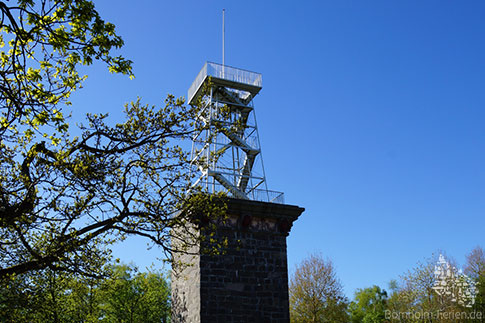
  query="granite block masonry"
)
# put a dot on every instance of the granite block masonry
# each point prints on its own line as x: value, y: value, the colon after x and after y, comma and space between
x: 248, y: 281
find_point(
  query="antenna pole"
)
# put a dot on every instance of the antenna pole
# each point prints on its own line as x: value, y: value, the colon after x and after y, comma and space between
x: 223, y: 34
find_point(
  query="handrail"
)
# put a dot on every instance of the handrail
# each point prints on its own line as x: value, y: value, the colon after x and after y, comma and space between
x: 224, y: 72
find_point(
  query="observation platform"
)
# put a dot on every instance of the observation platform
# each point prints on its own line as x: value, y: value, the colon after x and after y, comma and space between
x: 226, y: 76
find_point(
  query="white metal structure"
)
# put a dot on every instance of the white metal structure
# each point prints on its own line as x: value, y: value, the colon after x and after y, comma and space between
x: 227, y: 152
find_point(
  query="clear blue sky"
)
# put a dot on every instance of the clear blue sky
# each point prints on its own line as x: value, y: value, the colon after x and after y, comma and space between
x: 371, y: 117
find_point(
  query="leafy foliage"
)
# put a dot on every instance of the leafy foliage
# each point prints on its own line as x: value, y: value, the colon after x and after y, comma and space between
x: 64, y: 199
x: 415, y: 299
x: 416, y: 292
x: 131, y: 296
x: 475, y: 269
x: 51, y: 296
x: 369, y: 305
x: 316, y: 295
x: 46, y: 41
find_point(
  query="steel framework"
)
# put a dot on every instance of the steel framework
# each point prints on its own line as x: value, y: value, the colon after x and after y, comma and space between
x: 227, y: 152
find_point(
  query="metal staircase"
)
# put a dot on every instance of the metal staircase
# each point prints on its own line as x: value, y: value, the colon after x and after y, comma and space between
x: 227, y: 153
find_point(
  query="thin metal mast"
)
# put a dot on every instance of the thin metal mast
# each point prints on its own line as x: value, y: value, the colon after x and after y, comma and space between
x: 223, y: 35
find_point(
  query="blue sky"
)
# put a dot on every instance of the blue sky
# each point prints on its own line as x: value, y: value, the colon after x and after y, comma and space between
x: 371, y: 116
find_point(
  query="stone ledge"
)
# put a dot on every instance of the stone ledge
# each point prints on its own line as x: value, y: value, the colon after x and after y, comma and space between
x: 260, y: 216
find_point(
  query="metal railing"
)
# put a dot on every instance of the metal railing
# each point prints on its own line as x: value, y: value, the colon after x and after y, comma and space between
x: 260, y: 195
x: 226, y: 73
x: 267, y: 196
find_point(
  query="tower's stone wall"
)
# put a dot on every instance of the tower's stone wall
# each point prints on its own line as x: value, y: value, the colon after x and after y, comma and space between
x: 248, y: 281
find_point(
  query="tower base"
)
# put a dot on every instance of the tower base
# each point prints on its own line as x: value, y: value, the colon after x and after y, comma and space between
x: 248, y: 280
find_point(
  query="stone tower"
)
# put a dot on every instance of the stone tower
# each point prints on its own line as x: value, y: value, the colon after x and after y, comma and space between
x: 248, y: 281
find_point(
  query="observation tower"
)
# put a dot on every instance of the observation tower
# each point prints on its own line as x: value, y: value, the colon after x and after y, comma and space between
x: 227, y: 152
x: 248, y: 281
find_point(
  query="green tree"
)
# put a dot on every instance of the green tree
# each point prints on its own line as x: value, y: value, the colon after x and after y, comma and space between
x: 369, y: 305
x: 131, y: 296
x: 125, y: 295
x: 420, y: 292
x: 416, y: 292
x: 475, y: 263
x: 64, y: 199
x: 50, y: 296
x: 475, y: 269
x: 316, y: 294
x: 479, y: 306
